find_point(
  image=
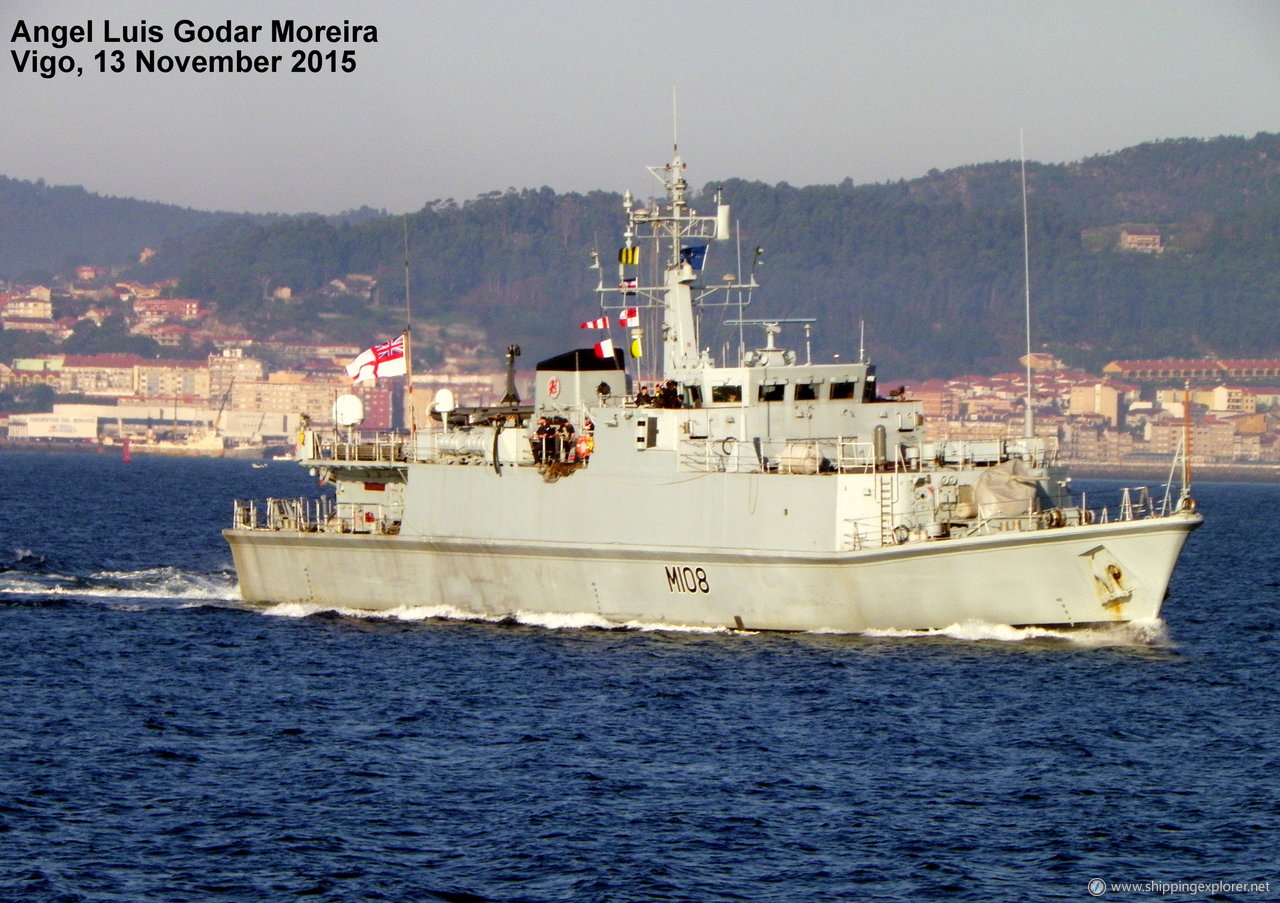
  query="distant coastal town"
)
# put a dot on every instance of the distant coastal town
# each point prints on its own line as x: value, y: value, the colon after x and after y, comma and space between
x: 218, y: 391
x: 1133, y: 417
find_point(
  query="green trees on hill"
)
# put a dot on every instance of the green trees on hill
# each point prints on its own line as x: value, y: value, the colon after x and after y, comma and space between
x: 513, y: 263
x: 49, y: 228
x: 934, y: 266
x: 939, y: 281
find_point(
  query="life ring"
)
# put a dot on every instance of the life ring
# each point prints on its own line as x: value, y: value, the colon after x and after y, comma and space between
x: 584, y: 446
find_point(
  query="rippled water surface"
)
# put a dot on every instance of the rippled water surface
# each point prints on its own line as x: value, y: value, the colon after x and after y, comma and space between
x: 163, y: 742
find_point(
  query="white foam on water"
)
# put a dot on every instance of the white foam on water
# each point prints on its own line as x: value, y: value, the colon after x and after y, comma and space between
x: 581, y: 620
x: 566, y: 621
x: 1134, y: 633
x: 23, y: 583
x: 1150, y: 633
x: 146, y: 583
x: 400, y: 613
x: 169, y: 583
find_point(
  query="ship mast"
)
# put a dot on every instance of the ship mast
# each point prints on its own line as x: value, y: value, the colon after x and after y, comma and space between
x: 679, y: 328
x: 678, y: 238
x: 410, y: 418
x: 1028, y: 413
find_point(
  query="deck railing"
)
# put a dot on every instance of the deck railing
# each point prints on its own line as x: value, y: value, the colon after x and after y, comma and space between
x: 795, y: 456
x: 358, y: 446
x: 844, y: 454
x: 315, y: 515
x: 1128, y: 503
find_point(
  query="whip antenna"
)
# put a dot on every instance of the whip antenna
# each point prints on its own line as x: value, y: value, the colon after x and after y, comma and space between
x: 411, y: 418
x: 1028, y: 424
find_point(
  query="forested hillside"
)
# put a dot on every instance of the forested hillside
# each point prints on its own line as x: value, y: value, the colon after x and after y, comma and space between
x: 44, y: 228
x: 934, y: 266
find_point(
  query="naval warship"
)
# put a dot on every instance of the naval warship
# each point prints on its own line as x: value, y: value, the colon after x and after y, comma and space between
x: 749, y: 491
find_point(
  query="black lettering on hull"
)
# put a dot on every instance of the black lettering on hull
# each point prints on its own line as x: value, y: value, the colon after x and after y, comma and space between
x: 685, y: 579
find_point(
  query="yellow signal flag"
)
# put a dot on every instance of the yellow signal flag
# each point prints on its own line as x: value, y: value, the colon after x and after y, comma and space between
x: 629, y: 256
x: 635, y: 348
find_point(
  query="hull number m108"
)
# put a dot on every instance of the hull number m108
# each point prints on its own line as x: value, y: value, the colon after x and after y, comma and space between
x: 687, y: 580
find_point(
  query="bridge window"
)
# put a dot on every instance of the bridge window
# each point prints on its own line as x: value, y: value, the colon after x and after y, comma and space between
x: 726, y: 394
x: 843, y: 389
x: 772, y: 392
x: 806, y: 391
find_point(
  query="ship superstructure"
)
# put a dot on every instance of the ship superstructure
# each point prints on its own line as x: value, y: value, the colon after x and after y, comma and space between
x: 765, y: 492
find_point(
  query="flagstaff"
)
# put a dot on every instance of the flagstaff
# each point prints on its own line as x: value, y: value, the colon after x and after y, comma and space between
x: 411, y: 419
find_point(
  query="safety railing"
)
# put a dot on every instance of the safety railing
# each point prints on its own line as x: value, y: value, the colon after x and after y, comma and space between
x: 893, y: 527
x: 842, y: 454
x: 358, y: 447
x: 315, y: 515
x: 792, y: 456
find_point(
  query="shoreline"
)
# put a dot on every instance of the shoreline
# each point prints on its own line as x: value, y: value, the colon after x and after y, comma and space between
x: 93, y: 447
x: 1088, y: 470
x: 60, y: 446
x: 1200, y: 473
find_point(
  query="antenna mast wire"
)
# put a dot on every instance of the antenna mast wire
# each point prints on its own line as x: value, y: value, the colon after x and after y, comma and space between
x: 411, y: 417
x: 1028, y: 424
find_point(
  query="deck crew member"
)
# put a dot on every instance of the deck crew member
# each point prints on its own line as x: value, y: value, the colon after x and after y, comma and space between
x: 544, y: 437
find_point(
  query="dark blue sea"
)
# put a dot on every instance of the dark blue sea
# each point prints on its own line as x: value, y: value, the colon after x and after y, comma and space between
x: 162, y: 742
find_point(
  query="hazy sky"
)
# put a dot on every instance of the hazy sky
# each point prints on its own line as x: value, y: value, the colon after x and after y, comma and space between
x: 459, y: 98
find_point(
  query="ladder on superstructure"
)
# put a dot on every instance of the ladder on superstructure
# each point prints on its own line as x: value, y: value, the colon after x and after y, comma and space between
x: 884, y: 488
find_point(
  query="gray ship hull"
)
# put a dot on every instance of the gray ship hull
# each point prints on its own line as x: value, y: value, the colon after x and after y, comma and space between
x: 761, y: 493
x: 1088, y: 574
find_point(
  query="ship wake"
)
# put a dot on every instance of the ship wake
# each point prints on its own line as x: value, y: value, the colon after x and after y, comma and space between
x: 1135, y: 634
x: 31, y: 576
x: 566, y: 621
x: 1130, y: 634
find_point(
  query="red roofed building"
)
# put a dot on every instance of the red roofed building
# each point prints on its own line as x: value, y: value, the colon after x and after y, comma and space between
x: 171, y: 335
x: 98, y: 374
x: 28, y: 307
x: 157, y: 310
x: 172, y: 379
x: 1211, y: 439
x: 1216, y: 369
x: 937, y: 396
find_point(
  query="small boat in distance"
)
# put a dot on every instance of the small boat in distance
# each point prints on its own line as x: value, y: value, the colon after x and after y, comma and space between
x: 764, y: 493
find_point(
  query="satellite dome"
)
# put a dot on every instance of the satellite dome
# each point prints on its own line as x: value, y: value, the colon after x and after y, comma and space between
x: 348, y: 410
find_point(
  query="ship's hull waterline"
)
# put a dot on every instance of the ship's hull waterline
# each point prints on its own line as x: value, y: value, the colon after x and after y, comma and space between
x: 762, y: 491
x: 1046, y: 578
